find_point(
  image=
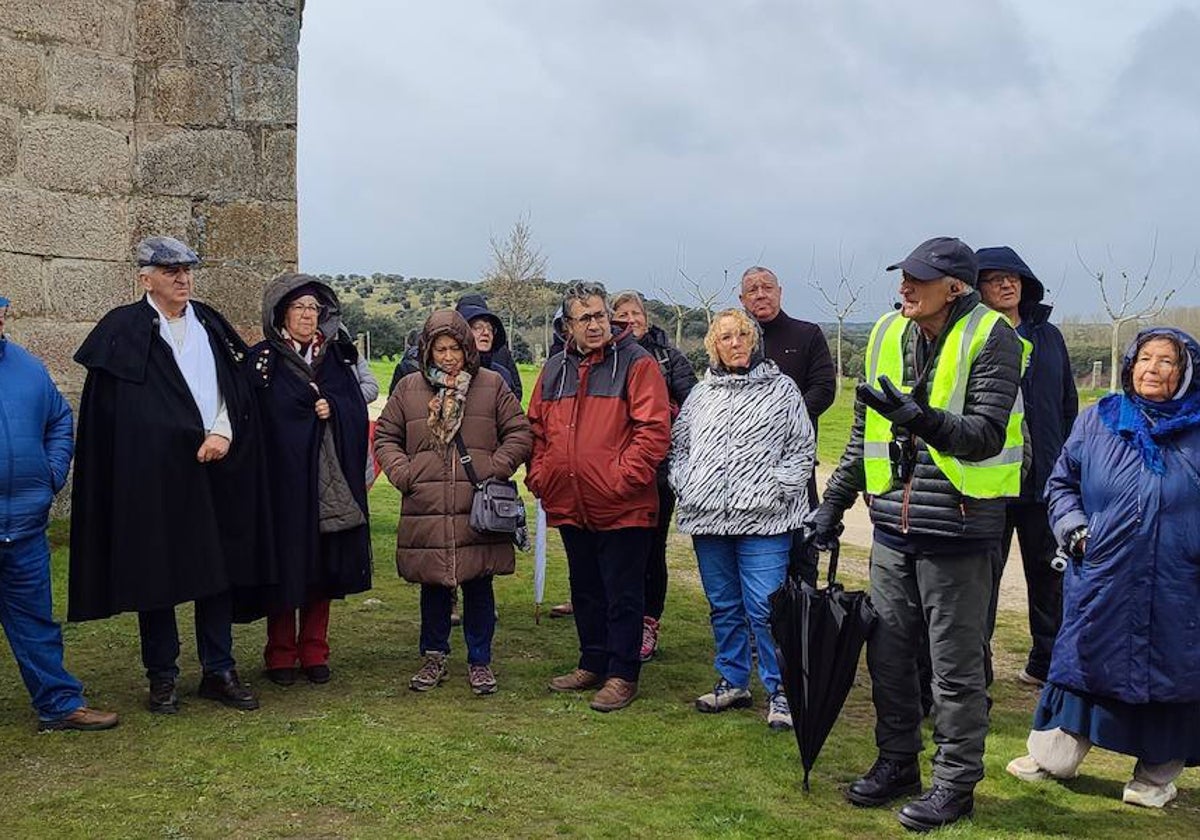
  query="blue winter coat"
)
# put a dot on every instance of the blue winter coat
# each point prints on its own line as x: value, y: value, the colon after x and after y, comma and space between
x: 1051, y: 401
x: 36, y: 443
x: 1131, y: 607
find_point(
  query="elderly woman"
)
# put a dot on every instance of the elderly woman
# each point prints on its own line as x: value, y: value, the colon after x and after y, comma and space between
x: 629, y: 310
x: 451, y: 397
x: 741, y: 455
x: 1123, y: 501
x: 315, y: 428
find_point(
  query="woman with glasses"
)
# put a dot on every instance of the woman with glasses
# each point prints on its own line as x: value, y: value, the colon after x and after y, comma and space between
x: 741, y: 456
x: 1123, y: 497
x: 315, y: 427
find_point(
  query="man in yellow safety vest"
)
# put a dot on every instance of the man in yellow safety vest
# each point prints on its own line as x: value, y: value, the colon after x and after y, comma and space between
x: 936, y: 447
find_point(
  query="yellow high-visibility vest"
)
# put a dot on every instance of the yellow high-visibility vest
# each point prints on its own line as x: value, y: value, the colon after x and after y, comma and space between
x: 992, y: 478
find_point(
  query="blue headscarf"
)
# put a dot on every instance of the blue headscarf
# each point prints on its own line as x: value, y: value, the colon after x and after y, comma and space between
x: 1144, y: 423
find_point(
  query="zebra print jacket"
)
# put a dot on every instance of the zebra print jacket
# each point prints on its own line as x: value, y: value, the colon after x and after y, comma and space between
x: 742, y: 451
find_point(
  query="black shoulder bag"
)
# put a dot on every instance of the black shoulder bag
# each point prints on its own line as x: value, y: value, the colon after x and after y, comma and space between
x: 496, y: 507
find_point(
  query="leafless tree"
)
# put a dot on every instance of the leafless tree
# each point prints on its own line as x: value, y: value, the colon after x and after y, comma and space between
x: 1131, y: 305
x: 517, y: 263
x: 841, y: 304
x: 680, y: 313
x: 706, y: 299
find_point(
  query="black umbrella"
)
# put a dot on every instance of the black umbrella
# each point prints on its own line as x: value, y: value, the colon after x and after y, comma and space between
x: 819, y: 634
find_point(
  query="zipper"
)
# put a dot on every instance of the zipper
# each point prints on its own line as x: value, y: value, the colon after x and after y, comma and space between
x: 450, y: 512
x: 6, y: 522
x: 904, y: 506
x: 572, y: 437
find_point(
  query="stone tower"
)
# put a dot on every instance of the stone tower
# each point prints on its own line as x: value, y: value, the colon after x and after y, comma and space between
x: 122, y: 118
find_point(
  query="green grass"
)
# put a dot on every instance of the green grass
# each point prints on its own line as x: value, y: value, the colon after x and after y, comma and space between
x: 365, y: 757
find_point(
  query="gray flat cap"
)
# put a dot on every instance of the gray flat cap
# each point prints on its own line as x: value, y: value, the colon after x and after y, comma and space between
x: 164, y: 250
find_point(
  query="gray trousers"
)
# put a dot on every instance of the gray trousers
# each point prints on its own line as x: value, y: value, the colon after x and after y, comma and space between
x: 948, y: 595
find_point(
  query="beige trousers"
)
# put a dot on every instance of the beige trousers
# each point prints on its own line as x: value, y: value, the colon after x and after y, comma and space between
x: 1060, y: 753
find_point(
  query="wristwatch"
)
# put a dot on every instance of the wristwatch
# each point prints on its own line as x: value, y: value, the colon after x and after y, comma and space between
x: 1075, y: 541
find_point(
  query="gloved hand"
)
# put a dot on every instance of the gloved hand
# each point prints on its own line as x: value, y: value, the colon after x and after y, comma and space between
x: 823, y: 525
x: 894, y: 404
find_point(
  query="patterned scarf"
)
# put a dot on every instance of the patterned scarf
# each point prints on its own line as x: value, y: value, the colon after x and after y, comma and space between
x: 446, y: 407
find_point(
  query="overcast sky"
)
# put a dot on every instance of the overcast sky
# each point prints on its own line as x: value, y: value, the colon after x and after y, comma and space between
x: 651, y: 136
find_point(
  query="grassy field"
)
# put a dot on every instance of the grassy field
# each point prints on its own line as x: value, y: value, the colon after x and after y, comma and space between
x: 365, y: 757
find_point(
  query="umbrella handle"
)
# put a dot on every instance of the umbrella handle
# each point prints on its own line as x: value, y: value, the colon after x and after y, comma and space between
x: 834, y: 551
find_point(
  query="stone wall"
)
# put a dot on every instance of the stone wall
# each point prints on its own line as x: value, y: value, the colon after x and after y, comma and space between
x: 123, y: 118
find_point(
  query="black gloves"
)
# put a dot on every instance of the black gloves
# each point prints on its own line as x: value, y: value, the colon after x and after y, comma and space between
x: 823, y: 525
x: 896, y: 405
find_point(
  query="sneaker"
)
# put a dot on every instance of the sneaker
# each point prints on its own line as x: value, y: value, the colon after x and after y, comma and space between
x: 1026, y: 678
x: 615, y: 694
x: 577, y: 680
x: 1026, y: 769
x: 82, y: 719
x: 432, y: 674
x: 938, y: 806
x: 649, y: 638
x: 481, y: 678
x: 779, y: 713
x: 886, y: 780
x: 725, y: 695
x: 1148, y: 796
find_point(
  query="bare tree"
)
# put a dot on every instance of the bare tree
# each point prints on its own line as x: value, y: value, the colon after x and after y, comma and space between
x: 517, y: 263
x: 1130, y: 306
x: 842, y: 306
x: 680, y: 313
x: 706, y: 299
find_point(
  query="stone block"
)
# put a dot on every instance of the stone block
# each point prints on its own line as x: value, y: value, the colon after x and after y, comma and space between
x: 249, y: 231
x: 236, y: 291
x: 279, y: 165
x: 23, y: 84
x: 55, y: 343
x: 103, y: 25
x: 9, y: 132
x: 204, y: 164
x: 241, y: 33
x: 63, y: 224
x: 196, y: 94
x: 158, y: 216
x: 83, y: 290
x: 90, y: 85
x: 158, y: 31
x: 76, y: 156
x: 264, y: 93
x: 21, y: 281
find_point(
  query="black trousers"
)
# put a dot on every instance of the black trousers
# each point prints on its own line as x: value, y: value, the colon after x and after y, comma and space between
x: 214, y: 638
x: 1031, y: 523
x: 608, y: 578
x: 656, y: 558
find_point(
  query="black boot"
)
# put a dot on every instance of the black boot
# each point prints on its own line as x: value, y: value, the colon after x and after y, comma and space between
x: 163, y: 699
x: 225, y: 687
x: 939, y: 806
x: 886, y: 780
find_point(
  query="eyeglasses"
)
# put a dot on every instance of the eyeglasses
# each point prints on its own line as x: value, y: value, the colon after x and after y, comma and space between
x: 482, y: 328
x: 306, y: 308
x: 1001, y: 280
x: 590, y: 318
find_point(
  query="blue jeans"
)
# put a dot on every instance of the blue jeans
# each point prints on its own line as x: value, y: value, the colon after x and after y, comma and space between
x: 739, y: 574
x: 35, y: 638
x: 478, y: 618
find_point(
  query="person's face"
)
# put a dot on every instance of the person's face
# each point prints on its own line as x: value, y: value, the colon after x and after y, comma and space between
x: 448, y: 355
x: 1156, y: 370
x: 1000, y: 290
x: 734, y: 343
x: 301, y: 318
x: 630, y: 313
x: 587, y: 324
x: 484, y: 334
x: 922, y: 299
x: 761, y: 295
x: 169, y: 285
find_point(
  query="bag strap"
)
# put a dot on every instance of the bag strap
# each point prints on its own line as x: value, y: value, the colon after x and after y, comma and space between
x: 464, y: 458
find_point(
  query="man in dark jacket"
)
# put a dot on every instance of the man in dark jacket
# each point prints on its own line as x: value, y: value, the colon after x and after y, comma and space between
x: 601, y: 426
x: 801, y: 351
x: 35, y: 454
x: 935, y: 447
x: 167, y: 504
x: 1007, y: 285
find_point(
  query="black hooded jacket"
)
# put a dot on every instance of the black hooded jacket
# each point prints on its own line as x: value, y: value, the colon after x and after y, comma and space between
x: 801, y: 351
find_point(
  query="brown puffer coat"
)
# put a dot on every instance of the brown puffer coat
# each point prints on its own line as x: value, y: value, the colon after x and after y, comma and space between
x: 435, y: 543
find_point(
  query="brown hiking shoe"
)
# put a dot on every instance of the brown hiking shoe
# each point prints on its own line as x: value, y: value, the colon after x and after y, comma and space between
x: 83, y: 718
x: 616, y: 694
x: 563, y: 610
x: 577, y: 680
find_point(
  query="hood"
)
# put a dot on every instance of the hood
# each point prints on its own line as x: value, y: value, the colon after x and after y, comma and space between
x: 1188, y: 381
x: 1004, y: 258
x: 282, y: 288
x: 760, y: 370
x: 656, y: 336
x: 448, y: 322
x: 472, y: 307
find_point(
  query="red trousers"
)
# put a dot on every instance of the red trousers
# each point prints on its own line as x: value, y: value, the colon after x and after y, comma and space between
x: 285, y: 647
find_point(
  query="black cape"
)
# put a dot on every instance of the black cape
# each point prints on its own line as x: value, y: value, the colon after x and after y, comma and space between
x: 312, y: 566
x: 151, y: 527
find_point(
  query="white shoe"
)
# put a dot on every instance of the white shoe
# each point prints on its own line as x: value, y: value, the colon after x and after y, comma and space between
x: 1149, y: 796
x: 779, y: 713
x: 1026, y: 769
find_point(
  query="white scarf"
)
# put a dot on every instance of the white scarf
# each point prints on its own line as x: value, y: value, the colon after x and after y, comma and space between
x: 194, y: 357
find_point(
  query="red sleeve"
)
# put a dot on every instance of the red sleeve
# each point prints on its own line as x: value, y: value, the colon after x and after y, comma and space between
x: 537, y: 426
x: 650, y: 412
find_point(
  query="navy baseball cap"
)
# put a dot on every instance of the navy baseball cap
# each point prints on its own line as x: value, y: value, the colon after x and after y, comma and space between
x: 164, y: 251
x: 942, y: 256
